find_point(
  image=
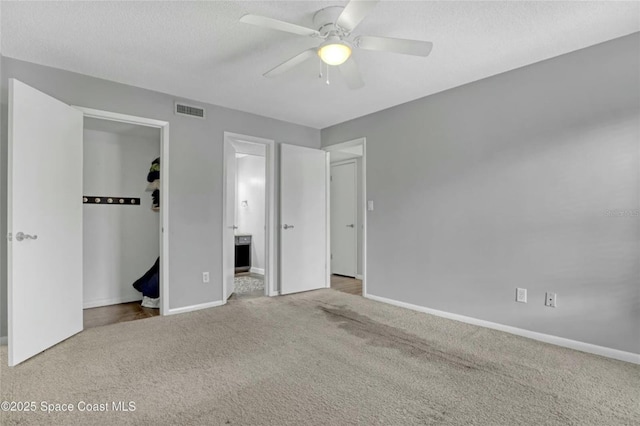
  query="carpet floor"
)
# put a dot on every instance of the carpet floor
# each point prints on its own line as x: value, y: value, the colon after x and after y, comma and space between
x: 317, y: 358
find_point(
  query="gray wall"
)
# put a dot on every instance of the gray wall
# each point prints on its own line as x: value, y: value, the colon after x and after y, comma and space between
x: 525, y: 179
x: 195, y: 172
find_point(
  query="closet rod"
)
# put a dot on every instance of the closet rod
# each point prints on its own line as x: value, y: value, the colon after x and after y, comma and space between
x: 116, y: 201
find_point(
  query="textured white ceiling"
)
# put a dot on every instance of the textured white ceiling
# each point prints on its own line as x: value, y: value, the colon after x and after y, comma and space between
x: 199, y: 50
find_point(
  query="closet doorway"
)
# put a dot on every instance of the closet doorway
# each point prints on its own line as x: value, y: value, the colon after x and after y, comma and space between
x: 248, y: 202
x: 123, y: 203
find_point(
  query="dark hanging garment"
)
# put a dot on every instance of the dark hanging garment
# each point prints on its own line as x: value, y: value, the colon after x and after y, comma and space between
x: 151, y: 288
x: 156, y: 200
x: 148, y: 284
x: 154, y: 184
x: 154, y: 171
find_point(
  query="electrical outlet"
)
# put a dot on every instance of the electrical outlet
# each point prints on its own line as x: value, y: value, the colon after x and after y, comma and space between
x: 521, y: 295
x: 205, y: 277
x: 550, y: 300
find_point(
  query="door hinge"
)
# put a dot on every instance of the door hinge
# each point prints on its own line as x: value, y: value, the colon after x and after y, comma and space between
x: 9, y: 236
x: 332, y: 257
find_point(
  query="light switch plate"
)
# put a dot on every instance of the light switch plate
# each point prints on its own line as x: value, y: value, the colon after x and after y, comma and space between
x: 521, y: 295
x: 370, y: 205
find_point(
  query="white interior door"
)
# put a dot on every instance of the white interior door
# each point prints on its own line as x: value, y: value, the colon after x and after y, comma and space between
x: 344, y: 248
x: 44, y: 222
x: 230, y: 218
x: 303, y: 218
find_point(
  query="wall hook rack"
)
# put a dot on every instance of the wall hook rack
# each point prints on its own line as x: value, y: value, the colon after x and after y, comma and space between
x: 116, y: 201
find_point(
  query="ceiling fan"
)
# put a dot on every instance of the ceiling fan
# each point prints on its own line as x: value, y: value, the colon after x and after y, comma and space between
x: 334, y: 29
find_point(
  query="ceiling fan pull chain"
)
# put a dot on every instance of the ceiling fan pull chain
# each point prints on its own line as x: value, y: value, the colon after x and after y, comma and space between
x: 328, y: 83
x: 320, y: 62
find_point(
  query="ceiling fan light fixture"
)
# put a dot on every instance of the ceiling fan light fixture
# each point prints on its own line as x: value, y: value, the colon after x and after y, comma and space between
x: 334, y: 52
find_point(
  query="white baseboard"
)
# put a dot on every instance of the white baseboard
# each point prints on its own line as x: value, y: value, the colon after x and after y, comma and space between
x: 359, y: 277
x: 107, y: 302
x: 547, y: 338
x: 195, y: 307
x: 259, y: 271
x: 3, y: 340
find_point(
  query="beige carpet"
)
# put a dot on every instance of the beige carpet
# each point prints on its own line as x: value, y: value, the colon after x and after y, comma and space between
x: 319, y: 358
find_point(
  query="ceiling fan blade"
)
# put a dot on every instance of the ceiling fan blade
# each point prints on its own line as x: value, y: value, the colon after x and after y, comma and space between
x: 354, y: 13
x: 397, y: 45
x: 274, y: 24
x: 351, y: 74
x: 290, y: 63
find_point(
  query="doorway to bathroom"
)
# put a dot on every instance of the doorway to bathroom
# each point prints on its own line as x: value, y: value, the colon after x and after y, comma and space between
x: 247, y: 233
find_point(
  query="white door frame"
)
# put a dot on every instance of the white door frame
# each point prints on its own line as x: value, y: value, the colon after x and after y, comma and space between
x: 338, y: 147
x: 355, y: 202
x: 164, y: 189
x: 270, y: 288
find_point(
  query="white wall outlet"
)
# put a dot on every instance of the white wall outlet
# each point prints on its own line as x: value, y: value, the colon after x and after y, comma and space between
x: 550, y: 300
x: 205, y: 277
x: 521, y: 295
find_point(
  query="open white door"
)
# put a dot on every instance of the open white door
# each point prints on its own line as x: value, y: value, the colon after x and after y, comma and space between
x: 344, y: 247
x: 303, y: 218
x: 228, y: 250
x: 44, y: 222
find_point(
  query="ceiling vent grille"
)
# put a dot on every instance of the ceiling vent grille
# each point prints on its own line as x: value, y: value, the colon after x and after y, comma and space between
x: 189, y: 110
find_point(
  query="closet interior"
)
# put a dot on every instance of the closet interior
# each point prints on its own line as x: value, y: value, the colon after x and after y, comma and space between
x: 121, y: 224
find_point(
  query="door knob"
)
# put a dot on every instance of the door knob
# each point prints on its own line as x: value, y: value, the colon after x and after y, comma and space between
x: 351, y: 226
x: 22, y: 236
x: 285, y: 226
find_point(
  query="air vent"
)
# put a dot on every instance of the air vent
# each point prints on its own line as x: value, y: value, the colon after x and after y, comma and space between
x: 189, y: 110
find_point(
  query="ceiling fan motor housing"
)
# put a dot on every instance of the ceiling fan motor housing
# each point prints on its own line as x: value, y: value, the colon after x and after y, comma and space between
x: 325, y: 21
